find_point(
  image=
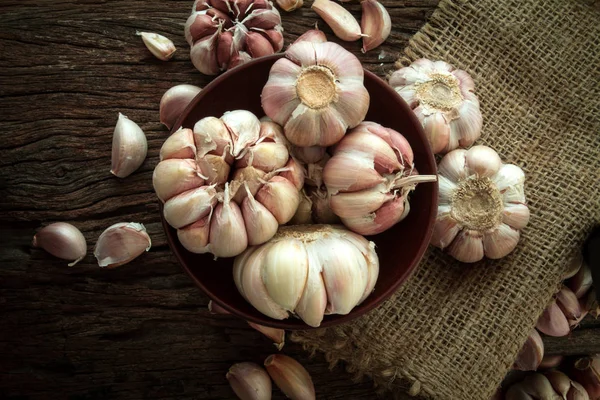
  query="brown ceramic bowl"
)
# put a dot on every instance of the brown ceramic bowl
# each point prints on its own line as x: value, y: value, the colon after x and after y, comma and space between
x: 399, y: 249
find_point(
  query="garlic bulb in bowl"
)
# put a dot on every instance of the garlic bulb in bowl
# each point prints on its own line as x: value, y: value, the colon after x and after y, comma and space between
x: 482, y: 205
x: 309, y: 271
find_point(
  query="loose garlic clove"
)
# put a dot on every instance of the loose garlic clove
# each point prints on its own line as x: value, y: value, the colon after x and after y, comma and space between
x: 290, y: 376
x: 62, y: 240
x: 195, y: 237
x: 162, y: 47
x: 341, y: 22
x: 267, y: 156
x: 129, y: 147
x: 568, y: 302
x: 190, y: 206
x: 179, y: 145
x: 280, y: 197
x: 249, y: 381
x: 174, y: 101
x: 294, y: 173
x: 276, y: 335
x: 120, y: 243
x: 290, y: 5
x: 500, y: 241
x: 244, y: 128
x: 260, y: 224
x: 553, y: 322
x: 375, y: 24
x: 531, y: 354
x: 228, y: 236
x: 356, y: 204
x: 174, y: 176
x: 467, y: 247
x: 309, y: 155
x: 313, y: 35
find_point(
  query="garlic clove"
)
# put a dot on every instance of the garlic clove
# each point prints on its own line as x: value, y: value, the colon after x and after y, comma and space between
x: 341, y: 22
x: 190, y: 206
x: 551, y: 362
x: 367, y: 248
x: 174, y: 176
x: 62, y: 240
x: 569, y: 304
x: 244, y: 128
x: 531, y: 354
x: 276, y: 335
x: 279, y: 98
x: 574, y: 266
x: 508, y: 176
x: 303, y: 215
x: 467, y: 247
x: 120, y: 243
x: 313, y: 35
x: 482, y: 161
x: 280, y: 197
x: 272, y: 132
x: 211, y: 136
x: 375, y: 24
x: 581, y: 282
x: 294, y: 173
x: 224, y: 49
x: 446, y: 228
x: 384, y: 157
x: 204, y: 56
x: 275, y: 37
x: 408, y: 76
x: 312, y: 304
x: 179, y: 145
x: 356, y: 204
x: 290, y: 5
x: 394, y: 139
x: 446, y: 190
x: 309, y: 155
x: 239, y: 264
x: 228, y: 236
x: 215, y: 309
x: 567, y: 388
x: 160, y: 46
x: 250, y: 176
x: 515, y: 392
x: 515, y: 215
x: 249, y: 381
x: 321, y: 208
x: 408, y: 94
x: 198, y: 25
x: 539, y: 387
x: 258, y: 45
x: 195, y: 237
x: 454, y: 165
x: 290, y: 376
x: 129, y: 147
x: 267, y: 156
x: 553, y: 322
x: 174, y: 101
x: 262, y: 19
x: 437, y: 130
x: 215, y: 169
x: 389, y: 214
x: 500, y: 241
x: 350, y: 172
x: 315, y: 127
x: 353, y: 102
x: 468, y: 127
x: 587, y: 372
x: 260, y: 224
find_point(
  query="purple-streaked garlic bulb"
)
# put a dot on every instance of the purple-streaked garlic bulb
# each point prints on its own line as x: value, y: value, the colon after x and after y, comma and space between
x: 227, y: 33
x: 482, y: 205
x: 442, y: 98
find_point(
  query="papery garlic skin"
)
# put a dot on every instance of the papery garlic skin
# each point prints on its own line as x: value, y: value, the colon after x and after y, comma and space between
x: 129, y: 147
x: 310, y: 270
x: 120, y: 243
x: 316, y: 93
x: 62, y: 240
x: 442, y: 98
x: 160, y: 46
x: 174, y: 101
x: 249, y: 381
x: 482, y: 205
x: 275, y: 334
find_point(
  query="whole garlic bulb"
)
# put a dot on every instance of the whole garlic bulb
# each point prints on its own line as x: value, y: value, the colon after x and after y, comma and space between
x: 227, y: 184
x: 316, y: 93
x: 481, y: 207
x: 307, y: 270
x: 369, y: 177
x: 226, y: 33
x: 442, y: 98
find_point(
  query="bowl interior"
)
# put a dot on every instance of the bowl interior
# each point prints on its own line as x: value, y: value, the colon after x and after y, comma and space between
x: 399, y: 249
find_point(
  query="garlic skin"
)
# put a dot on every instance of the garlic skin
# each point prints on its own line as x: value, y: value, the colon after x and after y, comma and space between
x: 482, y: 205
x: 249, y: 381
x: 174, y: 101
x: 120, y: 243
x: 291, y: 377
x: 276, y: 335
x: 316, y: 93
x: 341, y: 22
x: 214, y: 308
x: 369, y: 178
x: 375, y: 24
x: 129, y: 147
x: 62, y: 240
x: 309, y: 270
x: 442, y: 98
x: 160, y: 46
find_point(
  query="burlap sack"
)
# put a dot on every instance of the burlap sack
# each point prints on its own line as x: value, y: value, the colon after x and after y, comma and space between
x: 453, y: 330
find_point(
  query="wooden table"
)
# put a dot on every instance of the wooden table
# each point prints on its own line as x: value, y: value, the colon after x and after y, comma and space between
x: 140, y: 331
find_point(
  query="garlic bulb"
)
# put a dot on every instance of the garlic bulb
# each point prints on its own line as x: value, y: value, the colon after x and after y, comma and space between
x: 369, y: 178
x: 174, y: 101
x: 120, y: 243
x: 442, y: 98
x: 481, y: 207
x: 307, y: 270
x: 227, y: 184
x: 160, y: 46
x: 226, y: 33
x: 62, y: 240
x: 316, y: 92
x: 129, y: 147
x: 552, y: 385
x: 249, y: 381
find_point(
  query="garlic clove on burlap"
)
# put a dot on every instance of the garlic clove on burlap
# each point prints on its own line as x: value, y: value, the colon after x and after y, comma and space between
x: 249, y: 381
x: 290, y: 376
x: 481, y: 205
x: 442, y: 98
x: 62, y: 240
x: 174, y: 101
x: 120, y: 243
x: 129, y: 147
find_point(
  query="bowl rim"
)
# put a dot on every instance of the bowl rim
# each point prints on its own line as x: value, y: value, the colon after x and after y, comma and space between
x: 339, y: 319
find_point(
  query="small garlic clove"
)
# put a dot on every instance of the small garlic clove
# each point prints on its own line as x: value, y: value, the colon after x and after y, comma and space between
x: 341, y: 22
x: 375, y: 24
x: 290, y: 5
x: 356, y: 204
x: 204, y: 56
x: 120, y: 243
x: 211, y: 136
x: 160, y: 46
x: 467, y: 247
x: 515, y: 215
x: 309, y: 155
x: 224, y: 49
x: 569, y: 304
x: 446, y: 190
x: 244, y: 128
x: 214, y: 168
x: 249, y: 381
x: 313, y: 35
x: 280, y: 197
x: 174, y: 102
x: 553, y: 322
x: 539, y: 387
x: 174, y: 176
x: 250, y: 176
x: 581, y: 283
x: 312, y: 304
x: 129, y: 147
x: 195, y: 237
x: 214, y: 308
x: 573, y: 267
x: 276, y: 335
x: 258, y: 45
x: 179, y: 145
x: 198, y: 25
x: 531, y: 354
x: 500, y: 241
x: 446, y: 228
x: 453, y: 165
x: 303, y: 215
x: 190, y: 206
x: 228, y: 236
x: 294, y: 173
x: 62, y: 240
x: 260, y: 224
x: 291, y: 377
x: 482, y: 161
x: 361, y: 141
x: 349, y: 172
x: 267, y: 156
x: 437, y: 131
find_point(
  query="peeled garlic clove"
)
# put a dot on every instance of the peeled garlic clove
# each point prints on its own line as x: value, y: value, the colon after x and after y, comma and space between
x: 294, y: 173
x: 467, y: 247
x: 129, y: 147
x: 244, y: 128
x: 62, y: 240
x: 568, y: 303
x: 290, y: 5
x: 174, y: 101
x: 553, y: 322
x: 313, y: 35
x: 500, y: 241
x: 587, y: 372
x: 120, y: 243
x: 375, y: 24
x: 214, y: 308
x: 249, y: 381
x: 531, y: 353
x: 290, y: 376
x: 179, y: 145
x: 346, y: 172
x: 341, y: 22
x: 267, y: 156
x: 356, y: 204
x: 228, y: 236
x: 309, y: 155
x: 260, y: 224
x: 280, y: 197
x: 188, y: 207
x: 175, y: 176
x: 162, y: 47
x: 276, y: 335
x: 482, y: 161
x: 582, y: 281
x: 195, y: 237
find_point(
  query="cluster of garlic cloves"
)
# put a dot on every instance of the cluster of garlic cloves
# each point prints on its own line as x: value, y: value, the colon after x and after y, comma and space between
x: 442, y: 98
x: 551, y: 384
x: 482, y: 205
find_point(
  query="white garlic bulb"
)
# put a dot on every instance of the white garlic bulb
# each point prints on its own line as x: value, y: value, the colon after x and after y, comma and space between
x: 481, y: 207
x: 442, y: 98
x: 227, y: 184
x: 307, y: 270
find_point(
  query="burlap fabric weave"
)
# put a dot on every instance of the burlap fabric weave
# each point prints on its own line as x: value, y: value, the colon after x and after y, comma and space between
x: 453, y: 330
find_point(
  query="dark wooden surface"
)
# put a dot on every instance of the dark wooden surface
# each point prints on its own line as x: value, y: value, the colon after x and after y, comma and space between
x: 67, y: 67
